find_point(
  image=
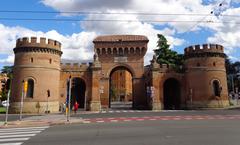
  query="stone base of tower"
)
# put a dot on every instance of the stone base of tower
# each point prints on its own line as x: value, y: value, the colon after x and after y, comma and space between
x: 156, y: 106
x: 35, y: 107
x: 208, y: 104
x: 95, y: 106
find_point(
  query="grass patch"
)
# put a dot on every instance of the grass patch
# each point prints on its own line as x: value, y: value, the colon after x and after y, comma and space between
x: 2, y: 110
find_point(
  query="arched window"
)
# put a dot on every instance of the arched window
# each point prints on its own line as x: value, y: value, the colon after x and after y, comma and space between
x: 30, y: 88
x: 216, y: 88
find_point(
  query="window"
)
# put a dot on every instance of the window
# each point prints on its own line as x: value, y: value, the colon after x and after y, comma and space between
x: 30, y: 88
x: 31, y: 60
x: 198, y: 64
x: 216, y: 88
x: 50, y: 61
x: 214, y: 63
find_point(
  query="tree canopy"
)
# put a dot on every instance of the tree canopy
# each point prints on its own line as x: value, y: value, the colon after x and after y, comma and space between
x: 165, y: 55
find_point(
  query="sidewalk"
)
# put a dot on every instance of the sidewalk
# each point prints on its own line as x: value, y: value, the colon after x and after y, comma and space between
x: 42, y: 120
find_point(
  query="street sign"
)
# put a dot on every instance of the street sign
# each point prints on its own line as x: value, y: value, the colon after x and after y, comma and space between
x: 5, y: 103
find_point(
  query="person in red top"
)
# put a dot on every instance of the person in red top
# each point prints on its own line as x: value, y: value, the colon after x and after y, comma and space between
x: 76, y: 107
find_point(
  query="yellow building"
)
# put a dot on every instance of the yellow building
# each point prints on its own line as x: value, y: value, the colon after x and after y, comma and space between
x: 121, y: 82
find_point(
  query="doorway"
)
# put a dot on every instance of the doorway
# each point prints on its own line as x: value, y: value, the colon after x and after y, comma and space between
x: 78, y: 92
x: 172, y: 94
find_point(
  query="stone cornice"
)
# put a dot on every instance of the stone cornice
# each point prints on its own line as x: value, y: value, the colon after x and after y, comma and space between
x: 37, y: 49
x: 204, y: 54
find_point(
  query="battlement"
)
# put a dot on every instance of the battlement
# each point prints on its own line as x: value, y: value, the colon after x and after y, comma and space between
x: 204, y: 48
x: 74, y: 66
x: 33, y: 42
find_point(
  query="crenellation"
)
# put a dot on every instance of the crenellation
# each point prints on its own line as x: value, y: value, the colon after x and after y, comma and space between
x: 74, y: 66
x: 32, y: 42
x: 215, y: 48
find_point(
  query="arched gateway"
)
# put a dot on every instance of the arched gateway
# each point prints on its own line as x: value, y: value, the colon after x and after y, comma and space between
x: 117, y: 74
x: 123, y: 53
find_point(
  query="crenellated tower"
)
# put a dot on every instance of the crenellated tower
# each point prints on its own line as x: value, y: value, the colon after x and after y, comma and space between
x: 38, y: 63
x: 205, y: 76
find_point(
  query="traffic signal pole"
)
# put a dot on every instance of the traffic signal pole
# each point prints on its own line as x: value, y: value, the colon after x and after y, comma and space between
x: 24, y: 90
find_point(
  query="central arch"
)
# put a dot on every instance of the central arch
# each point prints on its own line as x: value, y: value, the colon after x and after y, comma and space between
x: 78, y: 90
x: 121, y: 88
x: 172, y: 94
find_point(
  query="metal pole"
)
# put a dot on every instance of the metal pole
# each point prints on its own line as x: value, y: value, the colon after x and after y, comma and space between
x: 21, y: 103
x: 232, y: 84
x: 6, y: 118
x: 69, y: 100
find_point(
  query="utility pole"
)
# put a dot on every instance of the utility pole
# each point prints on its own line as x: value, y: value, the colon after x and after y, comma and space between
x: 8, y: 96
x: 6, y: 117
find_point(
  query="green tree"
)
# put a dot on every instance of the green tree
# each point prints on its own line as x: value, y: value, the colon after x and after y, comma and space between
x: 8, y: 70
x: 6, y: 87
x: 166, y: 55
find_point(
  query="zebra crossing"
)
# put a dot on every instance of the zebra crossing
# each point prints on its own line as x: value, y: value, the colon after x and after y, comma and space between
x: 17, y: 136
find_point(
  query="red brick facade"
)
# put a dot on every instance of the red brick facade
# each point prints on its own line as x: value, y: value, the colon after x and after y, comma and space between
x: 201, y: 84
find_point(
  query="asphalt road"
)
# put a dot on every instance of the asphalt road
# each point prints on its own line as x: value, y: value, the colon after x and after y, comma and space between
x: 181, y: 132
x: 161, y: 113
x: 147, y: 132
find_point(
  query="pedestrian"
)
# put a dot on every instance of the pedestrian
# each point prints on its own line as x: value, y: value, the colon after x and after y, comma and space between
x: 76, y: 107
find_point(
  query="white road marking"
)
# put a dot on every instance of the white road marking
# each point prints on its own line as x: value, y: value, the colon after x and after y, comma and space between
x: 18, y: 135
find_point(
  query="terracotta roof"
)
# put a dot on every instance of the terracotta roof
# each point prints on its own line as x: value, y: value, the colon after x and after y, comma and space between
x: 116, y: 38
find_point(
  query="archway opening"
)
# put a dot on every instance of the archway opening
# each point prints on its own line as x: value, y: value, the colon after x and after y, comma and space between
x: 172, y: 94
x: 78, y: 92
x: 121, y: 88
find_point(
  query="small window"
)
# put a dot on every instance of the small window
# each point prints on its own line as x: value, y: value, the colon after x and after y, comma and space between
x: 198, y: 64
x: 50, y: 61
x: 216, y: 88
x: 30, y: 88
x: 31, y: 60
x: 214, y: 63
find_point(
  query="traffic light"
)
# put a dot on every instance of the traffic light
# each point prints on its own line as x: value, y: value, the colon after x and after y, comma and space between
x: 25, y: 86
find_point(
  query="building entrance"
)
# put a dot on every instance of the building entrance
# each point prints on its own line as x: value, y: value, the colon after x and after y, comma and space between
x: 172, y: 94
x: 78, y: 92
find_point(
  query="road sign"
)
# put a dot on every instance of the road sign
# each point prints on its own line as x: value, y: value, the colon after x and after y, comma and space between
x: 5, y: 103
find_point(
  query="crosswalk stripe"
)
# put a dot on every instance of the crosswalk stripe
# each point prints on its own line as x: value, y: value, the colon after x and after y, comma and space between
x: 27, y: 132
x: 16, y: 143
x: 20, y: 130
x: 14, y: 139
x: 18, y: 135
x: 42, y: 127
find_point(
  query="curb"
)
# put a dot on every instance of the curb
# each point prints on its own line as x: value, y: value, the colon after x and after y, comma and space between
x: 35, y: 123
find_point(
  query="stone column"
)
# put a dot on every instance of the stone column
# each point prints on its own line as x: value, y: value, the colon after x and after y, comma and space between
x: 95, y: 103
x: 156, y: 102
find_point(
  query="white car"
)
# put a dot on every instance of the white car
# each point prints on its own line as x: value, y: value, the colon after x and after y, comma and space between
x: 5, y: 103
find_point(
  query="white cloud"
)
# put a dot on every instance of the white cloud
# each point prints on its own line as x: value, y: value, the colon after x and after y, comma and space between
x: 8, y: 60
x: 227, y: 34
x: 223, y: 33
x: 77, y: 46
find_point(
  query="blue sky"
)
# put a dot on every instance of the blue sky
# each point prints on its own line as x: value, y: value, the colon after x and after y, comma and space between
x: 221, y: 27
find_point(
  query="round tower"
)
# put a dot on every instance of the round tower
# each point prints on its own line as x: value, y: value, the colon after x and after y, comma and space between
x: 206, y: 81
x: 37, y: 63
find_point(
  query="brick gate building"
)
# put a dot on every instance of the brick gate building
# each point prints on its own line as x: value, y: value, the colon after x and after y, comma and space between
x: 201, y: 83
